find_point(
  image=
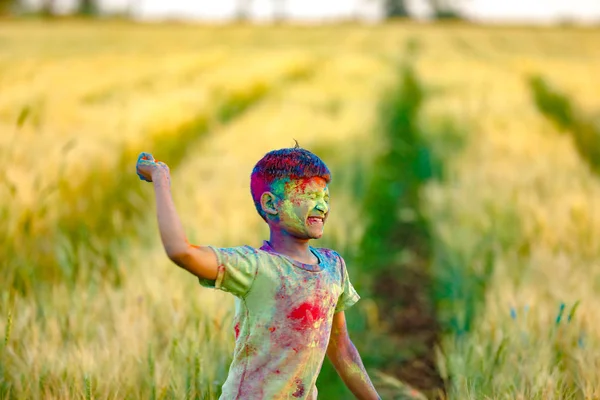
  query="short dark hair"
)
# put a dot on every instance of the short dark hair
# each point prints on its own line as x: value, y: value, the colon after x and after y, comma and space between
x: 289, y: 163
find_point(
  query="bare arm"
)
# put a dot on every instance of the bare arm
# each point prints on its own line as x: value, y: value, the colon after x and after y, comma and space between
x: 347, y: 362
x: 198, y: 260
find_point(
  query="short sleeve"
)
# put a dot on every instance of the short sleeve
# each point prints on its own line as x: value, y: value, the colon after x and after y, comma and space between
x: 349, y: 296
x: 236, y: 272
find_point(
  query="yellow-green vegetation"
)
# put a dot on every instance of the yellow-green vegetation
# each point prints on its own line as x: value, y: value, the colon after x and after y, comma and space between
x: 515, y: 219
x: 156, y: 332
x: 72, y: 128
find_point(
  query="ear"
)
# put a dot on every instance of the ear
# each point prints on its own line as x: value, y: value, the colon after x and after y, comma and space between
x: 268, y: 203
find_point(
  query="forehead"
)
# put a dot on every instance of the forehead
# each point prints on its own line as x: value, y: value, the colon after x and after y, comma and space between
x: 307, y: 185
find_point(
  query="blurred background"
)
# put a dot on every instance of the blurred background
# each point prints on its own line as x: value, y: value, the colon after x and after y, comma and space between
x: 464, y: 142
x: 552, y: 11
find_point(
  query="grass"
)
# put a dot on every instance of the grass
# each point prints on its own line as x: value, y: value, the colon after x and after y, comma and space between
x: 396, y: 242
x: 137, y: 319
x: 511, y: 219
x: 72, y: 231
x: 559, y: 109
x: 513, y: 223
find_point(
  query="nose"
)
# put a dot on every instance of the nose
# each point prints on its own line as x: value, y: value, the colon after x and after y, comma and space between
x: 322, y: 206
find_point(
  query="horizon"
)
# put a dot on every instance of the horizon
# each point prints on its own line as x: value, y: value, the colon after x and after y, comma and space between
x: 479, y: 11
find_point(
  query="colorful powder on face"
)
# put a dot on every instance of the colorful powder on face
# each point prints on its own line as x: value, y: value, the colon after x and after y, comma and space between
x: 284, y: 165
x: 292, y: 220
x: 301, y: 199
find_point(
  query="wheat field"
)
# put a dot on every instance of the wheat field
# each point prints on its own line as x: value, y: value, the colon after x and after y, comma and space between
x: 92, y: 307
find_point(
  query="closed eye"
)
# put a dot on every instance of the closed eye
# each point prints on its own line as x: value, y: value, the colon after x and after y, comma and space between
x: 316, y: 196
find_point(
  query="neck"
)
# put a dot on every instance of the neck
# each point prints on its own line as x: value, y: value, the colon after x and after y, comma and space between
x: 291, y: 246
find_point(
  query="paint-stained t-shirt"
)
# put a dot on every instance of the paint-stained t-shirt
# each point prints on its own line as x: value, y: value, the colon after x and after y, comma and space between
x: 284, y: 311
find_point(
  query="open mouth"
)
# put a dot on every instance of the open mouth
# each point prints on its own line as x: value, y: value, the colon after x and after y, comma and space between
x: 315, y: 221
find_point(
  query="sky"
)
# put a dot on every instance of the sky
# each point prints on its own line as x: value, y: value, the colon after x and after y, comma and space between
x: 529, y: 11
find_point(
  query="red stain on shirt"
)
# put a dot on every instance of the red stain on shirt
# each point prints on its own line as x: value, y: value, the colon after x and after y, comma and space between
x: 300, y: 389
x: 305, y: 315
x: 236, y: 328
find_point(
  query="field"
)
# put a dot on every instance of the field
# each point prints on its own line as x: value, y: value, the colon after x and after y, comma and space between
x: 448, y: 180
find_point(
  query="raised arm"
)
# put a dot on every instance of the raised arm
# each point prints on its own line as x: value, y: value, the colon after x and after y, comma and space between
x: 198, y: 260
x: 347, y: 362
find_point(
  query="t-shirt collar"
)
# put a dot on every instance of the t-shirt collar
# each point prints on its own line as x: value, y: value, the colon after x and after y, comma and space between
x: 309, y: 267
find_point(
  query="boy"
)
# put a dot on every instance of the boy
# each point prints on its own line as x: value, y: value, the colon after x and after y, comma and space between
x: 290, y: 297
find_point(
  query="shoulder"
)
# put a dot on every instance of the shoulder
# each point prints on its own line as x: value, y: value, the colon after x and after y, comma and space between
x: 329, y: 255
x: 232, y: 256
x: 239, y: 250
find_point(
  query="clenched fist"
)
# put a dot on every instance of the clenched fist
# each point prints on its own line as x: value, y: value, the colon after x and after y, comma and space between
x: 147, y: 167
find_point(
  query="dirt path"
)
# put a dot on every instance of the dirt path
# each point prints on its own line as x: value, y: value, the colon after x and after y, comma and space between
x: 397, y: 242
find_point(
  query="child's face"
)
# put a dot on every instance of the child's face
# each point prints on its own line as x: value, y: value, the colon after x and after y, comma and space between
x: 304, y: 208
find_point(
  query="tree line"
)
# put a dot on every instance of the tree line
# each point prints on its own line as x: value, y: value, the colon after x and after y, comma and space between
x: 440, y: 9
x: 48, y: 8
